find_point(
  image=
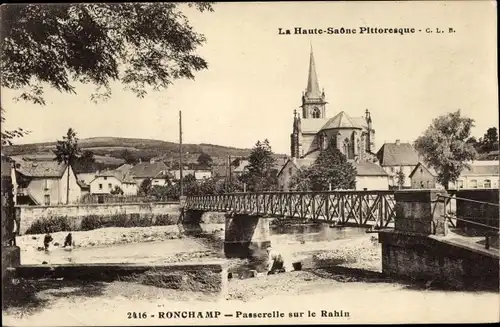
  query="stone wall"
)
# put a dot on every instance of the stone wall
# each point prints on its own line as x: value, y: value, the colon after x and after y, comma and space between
x: 198, y: 277
x: 29, y: 214
x: 423, y: 258
x: 478, y: 212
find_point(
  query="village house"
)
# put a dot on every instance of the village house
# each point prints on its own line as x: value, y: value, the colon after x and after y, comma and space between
x: 423, y: 177
x: 369, y: 176
x: 107, y: 181
x: 162, y: 179
x: 45, y: 183
x: 241, y: 168
x: 147, y: 170
x: 482, y: 174
x: 395, y: 157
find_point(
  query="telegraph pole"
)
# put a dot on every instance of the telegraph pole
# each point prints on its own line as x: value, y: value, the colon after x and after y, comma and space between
x: 180, y: 152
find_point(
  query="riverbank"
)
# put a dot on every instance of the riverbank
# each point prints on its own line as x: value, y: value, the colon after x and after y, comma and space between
x: 366, y: 301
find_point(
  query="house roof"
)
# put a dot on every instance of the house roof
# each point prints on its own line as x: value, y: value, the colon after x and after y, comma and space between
x: 82, y: 185
x: 41, y: 168
x: 369, y: 169
x: 123, y: 177
x: 431, y: 170
x: 147, y: 169
x: 485, y: 170
x: 241, y: 167
x: 340, y: 120
x: 397, y: 154
x: 124, y: 168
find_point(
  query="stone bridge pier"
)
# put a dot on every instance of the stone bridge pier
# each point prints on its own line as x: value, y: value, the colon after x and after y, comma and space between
x: 246, y: 236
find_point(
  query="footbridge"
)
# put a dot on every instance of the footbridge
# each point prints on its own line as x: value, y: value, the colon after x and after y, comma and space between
x: 450, y: 237
x: 359, y: 208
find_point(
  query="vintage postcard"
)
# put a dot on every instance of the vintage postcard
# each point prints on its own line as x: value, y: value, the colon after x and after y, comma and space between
x: 242, y: 163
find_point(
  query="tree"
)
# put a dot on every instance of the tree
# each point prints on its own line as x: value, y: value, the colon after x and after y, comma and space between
x: 67, y: 152
x: 444, y: 147
x: 261, y: 175
x: 330, y: 169
x: 85, y: 162
x: 400, y: 178
x: 57, y: 45
x: 116, y: 191
x: 145, y: 187
x: 128, y: 157
x: 489, y: 141
x: 205, y: 159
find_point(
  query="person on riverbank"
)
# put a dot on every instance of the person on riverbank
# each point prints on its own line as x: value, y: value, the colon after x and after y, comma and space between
x: 68, y: 241
x: 276, y: 263
x: 46, y: 241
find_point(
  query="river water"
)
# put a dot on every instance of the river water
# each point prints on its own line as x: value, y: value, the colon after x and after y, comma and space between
x: 295, y: 243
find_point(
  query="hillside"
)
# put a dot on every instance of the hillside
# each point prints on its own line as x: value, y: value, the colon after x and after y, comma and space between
x: 115, y: 150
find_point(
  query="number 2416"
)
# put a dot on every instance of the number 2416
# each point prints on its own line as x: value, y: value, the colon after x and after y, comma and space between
x: 137, y: 315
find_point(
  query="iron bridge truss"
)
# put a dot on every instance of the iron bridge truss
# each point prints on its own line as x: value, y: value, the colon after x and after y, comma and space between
x: 344, y: 207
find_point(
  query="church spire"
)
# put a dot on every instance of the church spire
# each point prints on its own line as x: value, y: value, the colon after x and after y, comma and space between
x: 313, y: 90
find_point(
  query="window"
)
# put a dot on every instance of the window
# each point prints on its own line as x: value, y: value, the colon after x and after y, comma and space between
x: 47, y: 199
x: 45, y: 184
x: 100, y: 186
x: 290, y: 171
x: 392, y: 169
x: 473, y: 183
x: 316, y: 113
x: 487, y: 183
x: 110, y: 186
x: 460, y: 184
x: 105, y: 178
x: 421, y: 184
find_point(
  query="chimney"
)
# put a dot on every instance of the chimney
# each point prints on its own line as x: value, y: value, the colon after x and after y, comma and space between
x: 398, y: 142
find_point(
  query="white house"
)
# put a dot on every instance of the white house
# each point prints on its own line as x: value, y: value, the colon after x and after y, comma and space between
x: 105, y: 182
x: 397, y: 156
x: 370, y: 176
x: 45, y: 182
x: 482, y: 174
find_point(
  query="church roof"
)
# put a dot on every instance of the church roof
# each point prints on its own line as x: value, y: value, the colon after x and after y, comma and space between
x: 341, y: 120
x: 312, y: 125
x: 312, y: 90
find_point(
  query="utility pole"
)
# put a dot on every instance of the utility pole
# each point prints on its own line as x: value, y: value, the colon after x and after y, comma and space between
x: 230, y: 172
x: 180, y: 152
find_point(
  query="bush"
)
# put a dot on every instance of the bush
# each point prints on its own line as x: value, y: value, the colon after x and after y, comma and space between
x: 50, y: 225
x: 118, y: 220
x: 136, y: 220
x: 91, y: 222
x: 165, y: 220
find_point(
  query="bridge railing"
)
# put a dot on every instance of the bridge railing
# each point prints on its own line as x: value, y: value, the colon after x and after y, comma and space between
x: 358, y: 207
x: 472, y: 217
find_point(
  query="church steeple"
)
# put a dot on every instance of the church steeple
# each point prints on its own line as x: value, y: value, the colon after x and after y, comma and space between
x: 313, y: 99
x: 312, y: 90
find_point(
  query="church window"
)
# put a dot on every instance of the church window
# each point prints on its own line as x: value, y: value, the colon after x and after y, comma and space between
x: 346, y: 149
x: 316, y: 113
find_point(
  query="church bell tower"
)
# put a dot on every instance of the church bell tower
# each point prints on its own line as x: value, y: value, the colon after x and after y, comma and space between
x: 313, y: 100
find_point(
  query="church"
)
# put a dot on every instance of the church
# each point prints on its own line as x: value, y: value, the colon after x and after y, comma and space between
x: 313, y: 131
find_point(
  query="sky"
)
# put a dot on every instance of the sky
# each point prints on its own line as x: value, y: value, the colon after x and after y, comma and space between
x: 256, y: 76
